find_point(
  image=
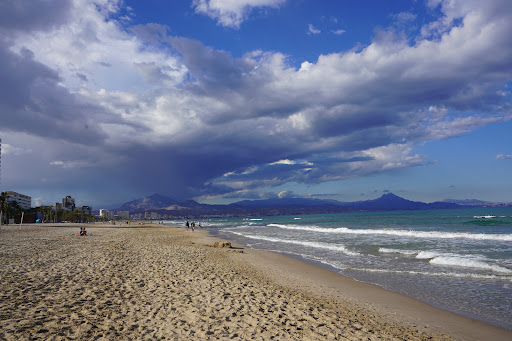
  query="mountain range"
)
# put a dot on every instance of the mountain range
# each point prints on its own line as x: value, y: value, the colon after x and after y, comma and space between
x: 284, y: 206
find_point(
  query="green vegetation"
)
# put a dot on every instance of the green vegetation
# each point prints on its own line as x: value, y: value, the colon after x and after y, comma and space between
x: 51, y: 215
x: 11, y: 209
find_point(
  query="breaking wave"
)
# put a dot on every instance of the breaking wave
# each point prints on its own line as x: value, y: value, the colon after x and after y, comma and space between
x: 399, y: 233
x: 450, y: 259
x: 319, y: 245
x: 438, y: 274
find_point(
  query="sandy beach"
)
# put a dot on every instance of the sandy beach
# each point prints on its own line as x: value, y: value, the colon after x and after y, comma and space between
x: 154, y: 282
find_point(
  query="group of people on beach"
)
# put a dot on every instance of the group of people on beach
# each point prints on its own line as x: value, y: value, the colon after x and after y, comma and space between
x: 83, y: 232
x: 192, y: 225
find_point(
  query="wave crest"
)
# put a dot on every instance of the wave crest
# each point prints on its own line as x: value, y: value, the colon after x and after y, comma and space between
x: 399, y: 233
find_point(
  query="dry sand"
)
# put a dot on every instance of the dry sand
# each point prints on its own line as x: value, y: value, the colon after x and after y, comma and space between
x: 157, y: 282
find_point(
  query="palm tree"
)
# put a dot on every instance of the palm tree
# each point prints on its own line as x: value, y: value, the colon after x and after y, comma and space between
x: 4, y: 207
x: 78, y: 216
x: 59, y: 216
x: 47, y: 213
x: 14, y: 208
x: 3, y: 200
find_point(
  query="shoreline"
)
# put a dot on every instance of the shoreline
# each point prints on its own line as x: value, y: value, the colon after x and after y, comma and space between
x: 155, y: 281
x: 336, y: 272
x: 298, y: 273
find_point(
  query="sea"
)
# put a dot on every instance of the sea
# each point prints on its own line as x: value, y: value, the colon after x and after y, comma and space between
x: 459, y: 260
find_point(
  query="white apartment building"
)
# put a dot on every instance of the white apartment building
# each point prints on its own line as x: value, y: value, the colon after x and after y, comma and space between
x: 106, y: 213
x: 23, y: 200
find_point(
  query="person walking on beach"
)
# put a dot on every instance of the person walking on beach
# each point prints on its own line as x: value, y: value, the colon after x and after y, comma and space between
x: 186, y: 224
x: 193, y: 226
x: 199, y: 224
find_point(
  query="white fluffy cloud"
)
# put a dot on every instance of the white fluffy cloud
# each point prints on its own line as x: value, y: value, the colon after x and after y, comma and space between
x: 232, y: 13
x: 93, y: 50
x: 313, y: 30
x: 7, y: 149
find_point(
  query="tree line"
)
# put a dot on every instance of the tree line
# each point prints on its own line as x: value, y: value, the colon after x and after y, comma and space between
x: 11, y: 210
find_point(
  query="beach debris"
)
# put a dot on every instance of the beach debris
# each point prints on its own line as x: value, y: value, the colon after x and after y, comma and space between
x: 222, y: 244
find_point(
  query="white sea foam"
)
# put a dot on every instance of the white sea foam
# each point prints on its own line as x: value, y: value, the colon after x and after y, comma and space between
x: 468, y: 263
x: 438, y: 274
x: 429, y: 254
x: 400, y: 233
x: 318, y: 245
x: 484, y: 216
x: 403, y: 252
x: 220, y: 223
x: 450, y: 259
x: 302, y: 227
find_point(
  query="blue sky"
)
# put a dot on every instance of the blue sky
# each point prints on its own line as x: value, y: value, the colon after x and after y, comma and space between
x: 221, y: 100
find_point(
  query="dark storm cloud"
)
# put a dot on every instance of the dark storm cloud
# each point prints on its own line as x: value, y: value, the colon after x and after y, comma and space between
x: 244, y: 85
x: 29, y: 15
x: 32, y: 101
x: 214, y: 70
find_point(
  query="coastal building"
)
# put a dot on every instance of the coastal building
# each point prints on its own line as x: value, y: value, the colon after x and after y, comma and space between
x: 68, y: 203
x: 123, y: 214
x: 152, y: 215
x: 24, y: 201
x: 106, y: 213
x: 86, y: 209
x: 138, y: 216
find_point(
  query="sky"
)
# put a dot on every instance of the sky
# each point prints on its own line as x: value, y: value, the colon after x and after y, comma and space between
x: 226, y: 100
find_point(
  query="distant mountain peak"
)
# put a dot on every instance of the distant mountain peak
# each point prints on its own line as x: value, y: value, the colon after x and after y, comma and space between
x: 152, y: 202
x: 389, y: 201
x: 390, y: 196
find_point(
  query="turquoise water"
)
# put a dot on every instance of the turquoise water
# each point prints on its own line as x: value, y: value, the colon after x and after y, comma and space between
x: 458, y: 260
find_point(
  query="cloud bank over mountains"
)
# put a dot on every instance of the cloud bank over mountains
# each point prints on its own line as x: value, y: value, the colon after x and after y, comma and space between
x: 137, y: 106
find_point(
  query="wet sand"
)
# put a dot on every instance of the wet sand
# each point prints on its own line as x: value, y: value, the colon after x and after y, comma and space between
x: 154, y: 282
